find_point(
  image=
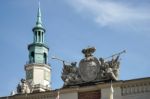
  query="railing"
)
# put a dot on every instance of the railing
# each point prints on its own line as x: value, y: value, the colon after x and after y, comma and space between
x: 135, y: 88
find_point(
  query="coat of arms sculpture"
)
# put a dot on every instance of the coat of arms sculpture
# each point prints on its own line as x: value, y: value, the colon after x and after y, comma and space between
x: 91, y: 69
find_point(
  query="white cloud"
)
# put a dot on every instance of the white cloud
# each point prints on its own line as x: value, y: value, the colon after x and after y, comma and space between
x: 107, y: 12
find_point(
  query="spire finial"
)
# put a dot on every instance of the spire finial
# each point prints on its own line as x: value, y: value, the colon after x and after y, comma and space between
x: 39, y: 21
x: 39, y: 3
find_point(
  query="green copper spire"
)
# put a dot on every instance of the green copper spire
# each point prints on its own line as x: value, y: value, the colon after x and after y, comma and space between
x: 38, y: 50
x: 38, y: 30
x: 39, y: 21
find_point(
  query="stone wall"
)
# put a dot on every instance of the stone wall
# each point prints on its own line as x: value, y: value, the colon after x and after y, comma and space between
x: 131, y: 89
x: 72, y: 95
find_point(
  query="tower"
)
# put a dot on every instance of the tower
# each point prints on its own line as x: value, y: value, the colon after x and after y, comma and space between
x: 38, y: 71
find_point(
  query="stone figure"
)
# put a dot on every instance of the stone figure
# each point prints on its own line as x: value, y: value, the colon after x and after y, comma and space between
x: 102, y: 68
x: 23, y: 87
x: 115, y: 66
x: 109, y: 74
x: 19, y: 88
x: 70, y: 74
x: 110, y: 69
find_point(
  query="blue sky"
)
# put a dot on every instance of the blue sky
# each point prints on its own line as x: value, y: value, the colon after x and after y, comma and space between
x: 109, y: 25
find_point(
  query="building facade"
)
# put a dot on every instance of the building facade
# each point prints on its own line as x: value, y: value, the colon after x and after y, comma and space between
x: 129, y: 89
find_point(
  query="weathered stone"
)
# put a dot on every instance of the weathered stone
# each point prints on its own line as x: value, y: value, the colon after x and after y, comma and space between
x: 91, y: 69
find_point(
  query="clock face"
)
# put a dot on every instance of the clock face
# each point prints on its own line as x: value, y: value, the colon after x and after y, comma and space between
x: 29, y: 74
x: 47, y: 76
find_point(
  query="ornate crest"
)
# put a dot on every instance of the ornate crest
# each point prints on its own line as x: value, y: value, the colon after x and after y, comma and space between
x: 91, y: 69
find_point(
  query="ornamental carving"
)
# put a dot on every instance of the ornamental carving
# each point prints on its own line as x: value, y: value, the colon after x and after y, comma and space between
x: 23, y: 87
x: 91, y: 69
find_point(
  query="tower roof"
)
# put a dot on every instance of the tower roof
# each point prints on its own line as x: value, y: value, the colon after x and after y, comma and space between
x: 39, y: 21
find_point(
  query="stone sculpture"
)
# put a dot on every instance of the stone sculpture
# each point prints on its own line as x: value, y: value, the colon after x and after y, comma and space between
x: 70, y: 74
x: 91, y: 69
x: 89, y: 66
x: 23, y: 87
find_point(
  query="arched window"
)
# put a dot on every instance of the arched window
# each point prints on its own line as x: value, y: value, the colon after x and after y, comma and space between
x: 32, y: 57
x: 45, y: 58
x: 36, y: 36
x: 42, y: 37
x: 39, y: 35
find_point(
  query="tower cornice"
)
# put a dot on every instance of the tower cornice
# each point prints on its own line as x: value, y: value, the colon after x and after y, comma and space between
x: 38, y: 44
x: 31, y: 65
x: 38, y: 28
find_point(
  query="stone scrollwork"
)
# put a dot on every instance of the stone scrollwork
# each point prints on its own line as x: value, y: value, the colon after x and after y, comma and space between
x: 91, y: 69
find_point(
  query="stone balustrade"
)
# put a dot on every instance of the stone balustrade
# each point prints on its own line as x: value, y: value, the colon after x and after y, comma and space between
x: 135, y: 88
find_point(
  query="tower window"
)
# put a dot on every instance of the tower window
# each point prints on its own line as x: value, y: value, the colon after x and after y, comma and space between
x: 36, y: 36
x: 45, y: 58
x: 39, y: 34
x: 32, y: 57
x: 42, y: 37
